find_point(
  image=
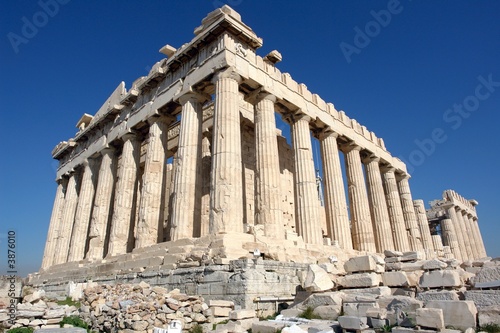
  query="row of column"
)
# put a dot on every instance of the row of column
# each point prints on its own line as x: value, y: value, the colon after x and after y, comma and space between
x: 102, y: 203
x: 460, y: 231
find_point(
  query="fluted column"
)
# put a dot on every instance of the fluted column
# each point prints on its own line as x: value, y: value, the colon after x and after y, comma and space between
x: 480, y: 244
x: 226, y: 197
x: 399, y: 233
x: 83, y: 211
x: 449, y: 237
x: 461, y: 253
x: 423, y: 225
x: 150, y: 221
x: 437, y: 242
x: 467, y: 233
x: 168, y: 175
x: 409, y: 214
x: 103, y: 205
x: 122, y: 223
x: 67, y: 220
x: 306, y: 193
x: 206, y: 158
x: 378, y: 206
x: 55, y: 223
x: 335, y: 201
x: 361, y: 221
x: 268, y: 210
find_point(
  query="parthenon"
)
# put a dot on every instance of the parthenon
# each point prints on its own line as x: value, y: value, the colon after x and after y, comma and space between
x: 192, y: 150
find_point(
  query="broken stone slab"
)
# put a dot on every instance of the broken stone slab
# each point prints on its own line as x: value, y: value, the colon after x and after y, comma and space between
x: 391, y: 253
x: 489, y: 315
x: 241, y: 314
x: 413, y: 255
x: 434, y: 264
x: 483, y: 298
x: 328, y: 298
x: 353, y: 322
x: 369, y: 263
x: 317, y: 279
x: 218, y: 311
x: 62, y: 330
x: 267, y: 326
x: 358, y: 309
x: 376, y: 312
x: 487, y: 285
x: 221, y: 303
x: 377, y: 323
x: 480, y: 262
x: 401, y: 303
x: 440, y: 279
x: 360, y: 280
x: 459, y: 314
x: 431, y: 318
x: 395, y: 279
x: 437, y: 295
x: 373, y: 291
x: 487, y: 274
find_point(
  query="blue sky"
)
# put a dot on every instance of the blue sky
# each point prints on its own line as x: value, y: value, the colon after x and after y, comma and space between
x: 404, y: 76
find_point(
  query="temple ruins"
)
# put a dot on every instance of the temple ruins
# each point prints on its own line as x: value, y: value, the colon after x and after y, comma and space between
x: 187, y: 169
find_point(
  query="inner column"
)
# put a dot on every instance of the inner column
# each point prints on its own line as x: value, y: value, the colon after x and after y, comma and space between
x: 410, y: 218
x: 461, y: 252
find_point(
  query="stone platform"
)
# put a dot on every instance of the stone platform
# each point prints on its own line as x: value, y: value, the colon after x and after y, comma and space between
x: 237, y: 267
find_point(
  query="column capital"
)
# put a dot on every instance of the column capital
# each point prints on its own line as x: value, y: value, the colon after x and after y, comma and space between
x: 387, y: 168
x: 108, y: 150
x: 190, y: 95
x: 227, y: 73
x: 370, y: 158
x: 327, y: 132
x: 129, y: 136
x: 160, y: 119
x: 350, y: 146
x: 402, y: 176
x: 295, y: 117
x: 259, y: 95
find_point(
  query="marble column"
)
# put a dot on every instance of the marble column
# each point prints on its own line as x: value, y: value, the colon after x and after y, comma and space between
x: 67, y: 220
x: 423, y: 225
x: 396, y: 217
x: 437, y: 243
x: 335, y: 201
x: 168, y: 175
x: 186, y: 193
x: 122, y: 223
x: 306, y: 193
x: 206, y: 159
x: 480, y: 244
x: 409, y: 214
x: 378, y: 205
x: 55, y: 223
x: 268, y: 210
x: 150, y: 220
x: 103, y: 205
x: 226, y: 196
x: 83, y: 211
x: 461, y: 253
x: 467, y: 233
x: 449, y: 237
x: 361, y: 221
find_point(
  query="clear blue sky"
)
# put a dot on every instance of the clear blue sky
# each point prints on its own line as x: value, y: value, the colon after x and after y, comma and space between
x: 401, y: 81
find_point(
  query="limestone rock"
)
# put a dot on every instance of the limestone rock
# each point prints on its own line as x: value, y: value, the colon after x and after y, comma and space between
x: 395, y: 279
x: 440, y: 279
x: 360, y: 280
x: 432, y: 318
x: 487, y: 274
x: 328, y: 312
x: 434, y: 264
x: 437, y: 295
x: 489, y: 315
x: 459, y: 314
x: 317, y: 279
x: 360, y: 264
x: 483, y: 298
x: 353, y: 323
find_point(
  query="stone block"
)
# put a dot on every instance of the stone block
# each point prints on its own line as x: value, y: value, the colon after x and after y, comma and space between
x: 489, y: 315
x: 360, y: 280
x: 353, y: 323
x: 440, y: 279
x: 395, y: 279
x: 414, y: 277
x: 374, y: 291
x: 267, y: 326
x: 459, y: 314
x: 487, y: 274
x: 62, y: 330
x: 246, y: 324
x: 328, y: 298
x: 221, y: 303
x: 376, y: 312
x: 358, y: 309
x: 393, y: 266
x: 218, y: 311
x: 413, y: 255
x: 431, y: 318
x: 483, y: 298
x: 377, y: 323
x: 317, y: 279
x: 360, y: 264
x: 410, y: 292
x: 241, y: 314
x: 294, y: 312
x: 403, y: 303
x: 437, y: 295
x: 412, y: 266
x: 328, y: 312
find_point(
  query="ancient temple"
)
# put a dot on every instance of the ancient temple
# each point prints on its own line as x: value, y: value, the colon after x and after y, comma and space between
x: 191, y: 151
